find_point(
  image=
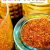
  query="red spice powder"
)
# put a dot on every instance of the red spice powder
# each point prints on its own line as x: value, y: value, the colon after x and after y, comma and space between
x: 36, y: 33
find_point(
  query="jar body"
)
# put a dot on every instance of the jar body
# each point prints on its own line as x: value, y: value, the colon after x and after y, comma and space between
x: 15, y: 10
x: 6, y: 35
x: 6, y: 29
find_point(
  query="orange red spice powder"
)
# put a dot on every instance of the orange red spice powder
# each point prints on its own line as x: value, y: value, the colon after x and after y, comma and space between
x: 36, y: 33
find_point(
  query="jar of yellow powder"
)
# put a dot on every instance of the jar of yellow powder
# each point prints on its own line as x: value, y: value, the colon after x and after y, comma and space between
x: 6, y: 28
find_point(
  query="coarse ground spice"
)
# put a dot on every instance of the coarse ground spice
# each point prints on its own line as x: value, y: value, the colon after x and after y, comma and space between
x: 36, y: 33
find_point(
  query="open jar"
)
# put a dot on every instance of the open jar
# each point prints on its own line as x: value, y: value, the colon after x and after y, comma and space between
x: 22, y: 44
x: 6, y: 28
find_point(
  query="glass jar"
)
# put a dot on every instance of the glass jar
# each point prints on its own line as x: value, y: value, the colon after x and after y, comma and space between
x: 17, y: 36
x: 6, y: 28
x: 15, y: 10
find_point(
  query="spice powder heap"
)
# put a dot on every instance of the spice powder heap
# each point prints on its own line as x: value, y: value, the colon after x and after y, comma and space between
x: 36, y: 33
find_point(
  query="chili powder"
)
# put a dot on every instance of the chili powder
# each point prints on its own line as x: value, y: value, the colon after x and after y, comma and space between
x: 36, y: 33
